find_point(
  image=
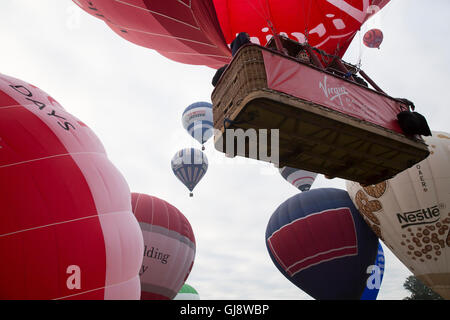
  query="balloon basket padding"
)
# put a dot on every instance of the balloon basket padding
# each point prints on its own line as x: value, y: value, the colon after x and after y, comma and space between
x: 311, y: 137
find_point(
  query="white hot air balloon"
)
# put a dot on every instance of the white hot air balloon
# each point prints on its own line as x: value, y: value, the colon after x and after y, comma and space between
x: 301, y: 179
x: 411, y: 214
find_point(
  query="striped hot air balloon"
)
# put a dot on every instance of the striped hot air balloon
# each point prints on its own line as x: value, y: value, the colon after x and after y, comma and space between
x: 197, y: 119
x: 189, y: 166
x: 319, y: 241
x: 169, y: 247
x: 66, y: 226
x: 301, y: 179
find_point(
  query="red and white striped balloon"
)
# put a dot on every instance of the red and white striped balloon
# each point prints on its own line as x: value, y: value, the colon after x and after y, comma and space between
x: 169, y: 247
x: 66, y: 226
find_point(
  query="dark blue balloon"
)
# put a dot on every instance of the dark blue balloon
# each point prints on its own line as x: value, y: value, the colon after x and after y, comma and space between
x: 376, y: 277
x: 320, y: 242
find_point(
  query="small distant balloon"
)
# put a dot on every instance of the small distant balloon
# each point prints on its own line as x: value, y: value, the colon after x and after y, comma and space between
x: 373, y: 38
x: 301, y: 179
x: 189, y: 166
x: 198, y: 121
x: 187, y: 292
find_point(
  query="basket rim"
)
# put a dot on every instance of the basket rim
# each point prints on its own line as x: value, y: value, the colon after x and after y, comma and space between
x: 272, y: 51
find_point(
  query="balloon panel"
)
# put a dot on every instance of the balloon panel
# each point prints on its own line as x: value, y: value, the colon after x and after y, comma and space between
x: 63, y: 205
x: 184, y: 31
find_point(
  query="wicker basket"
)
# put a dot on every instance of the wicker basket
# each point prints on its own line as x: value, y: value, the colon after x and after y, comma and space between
x: 311, y: 137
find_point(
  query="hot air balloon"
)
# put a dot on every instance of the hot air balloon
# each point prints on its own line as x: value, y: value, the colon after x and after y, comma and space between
x: 410, y: 213
x: 169, y: 247
x: 197, y: 119
x: 318, y: 240
x: 189, y: 166
x: 301, y: 179
x: 66, y: 226
x: 376, y: 277
x: 264, y: 85
x: 187, y: 292
x: 373, y: 38
x: 198, y: 31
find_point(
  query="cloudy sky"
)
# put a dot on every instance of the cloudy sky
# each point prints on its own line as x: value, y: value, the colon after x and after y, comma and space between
x: 133, y: 99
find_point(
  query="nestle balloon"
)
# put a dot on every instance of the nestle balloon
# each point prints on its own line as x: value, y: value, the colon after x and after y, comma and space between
x: 66, y: 226
x: 199, y: 31
x: 189, y: 166
x: 318, y: 240
x: 410, y: 213
x: 198, y: 121
x: 169, y: 247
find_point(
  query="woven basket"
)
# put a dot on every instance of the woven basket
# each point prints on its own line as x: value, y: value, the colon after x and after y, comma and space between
x: 246, y: 74
x: 312, y: 137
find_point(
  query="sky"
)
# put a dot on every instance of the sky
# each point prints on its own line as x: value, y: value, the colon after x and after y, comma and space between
x: 133, y: 99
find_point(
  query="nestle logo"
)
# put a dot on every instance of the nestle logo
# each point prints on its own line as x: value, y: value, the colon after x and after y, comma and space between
x: 421, y: 216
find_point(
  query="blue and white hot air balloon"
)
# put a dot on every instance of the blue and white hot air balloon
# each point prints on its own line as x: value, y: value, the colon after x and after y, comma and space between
x: 301, y: 179
x: 198, y: 121
x: 190, y: 165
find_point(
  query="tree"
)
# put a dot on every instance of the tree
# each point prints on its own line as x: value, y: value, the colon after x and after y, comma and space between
x: 418, y: 290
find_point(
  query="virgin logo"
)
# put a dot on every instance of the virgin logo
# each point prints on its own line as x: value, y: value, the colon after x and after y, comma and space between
x: 333, y: 93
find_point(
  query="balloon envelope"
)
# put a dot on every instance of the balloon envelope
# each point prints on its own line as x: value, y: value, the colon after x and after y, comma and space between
x: 376, y: 277
x: 318, y: 240
x: 197, y: 119
x: 373, y: 38
x: 66, y: 226
x: 301, y: 179
x: 198, y: 31
x: 410, y: 213
x: 189, y: 166
x: 187, y: 292
x: 169, y: 247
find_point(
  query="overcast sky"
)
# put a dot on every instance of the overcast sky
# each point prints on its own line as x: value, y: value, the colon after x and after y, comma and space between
x: 133, y: 99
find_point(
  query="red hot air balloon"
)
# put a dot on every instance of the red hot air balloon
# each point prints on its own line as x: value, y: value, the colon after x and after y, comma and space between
x: 198, y: 31
x: 373, y: 38
x: 169, y: 247
x: 66, y: 226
